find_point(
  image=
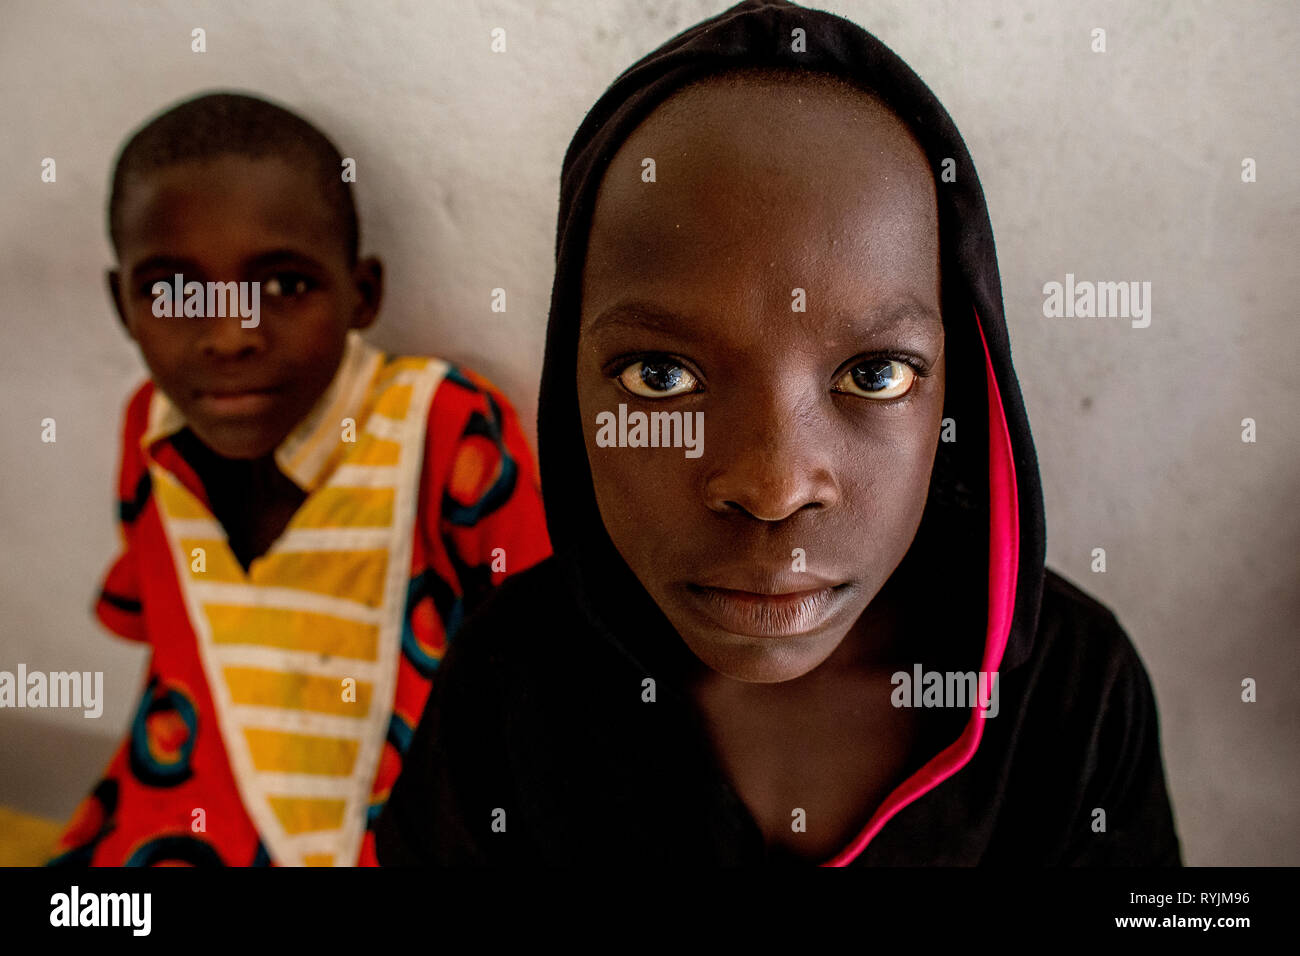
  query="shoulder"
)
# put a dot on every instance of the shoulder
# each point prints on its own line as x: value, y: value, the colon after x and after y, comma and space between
x: 1085, y: 668
x: 469, y: 410
x: 529, y: 619
x: 1078, y: 734
x: 459, y: 388
x: 140, y: 396
x: 1096, y: 703
x: 135, y: 416
x: 527, y: 647
x: 133, y: 474
x: 464, y: 392
x: 478, y: 463
x: 490, y: 715
x: 1077, y: 630
x: 1070, y: 612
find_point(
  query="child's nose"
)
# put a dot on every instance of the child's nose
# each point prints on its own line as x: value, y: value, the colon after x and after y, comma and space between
x: 769, y: 463
x: 226, y: 338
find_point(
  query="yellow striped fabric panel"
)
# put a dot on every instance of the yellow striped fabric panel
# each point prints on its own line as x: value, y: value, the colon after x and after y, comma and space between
x: 352, y: 575
x: 344, y: 507
x: 293, y: 631
x: 394, y: 402
x: 216, y: 563
x: 259, y: 687
x: 176, y: 501
x: 292, y: 719
x: 307, y: 814
x: 279, y: 751
x: 372, y: 450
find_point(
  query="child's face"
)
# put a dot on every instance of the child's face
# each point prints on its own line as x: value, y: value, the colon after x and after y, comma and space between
x: 235, y: 219
x: 692, y: 281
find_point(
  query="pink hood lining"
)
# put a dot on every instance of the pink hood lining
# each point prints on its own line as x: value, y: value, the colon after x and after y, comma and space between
x: 1004, y: 563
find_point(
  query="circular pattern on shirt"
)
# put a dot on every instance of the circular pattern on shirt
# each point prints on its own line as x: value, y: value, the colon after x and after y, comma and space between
x: 483, y: 474
x: 432, y: 612
x: 175, y: 850
x: 162, y: 735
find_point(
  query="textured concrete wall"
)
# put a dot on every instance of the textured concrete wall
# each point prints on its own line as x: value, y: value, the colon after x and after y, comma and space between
x: 1122, y: 165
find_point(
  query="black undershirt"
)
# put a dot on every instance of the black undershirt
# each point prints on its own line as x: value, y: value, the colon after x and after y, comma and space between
x: 251, y: 498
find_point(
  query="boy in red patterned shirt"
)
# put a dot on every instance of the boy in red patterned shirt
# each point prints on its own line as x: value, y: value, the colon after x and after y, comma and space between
x: 305, y: 519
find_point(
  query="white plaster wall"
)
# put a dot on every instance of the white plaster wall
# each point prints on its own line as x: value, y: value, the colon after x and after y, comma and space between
x: 1115, y: 166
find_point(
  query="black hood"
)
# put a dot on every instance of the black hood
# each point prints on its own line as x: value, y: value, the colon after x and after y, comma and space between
x: 534, y: 703
x: 983, y: 525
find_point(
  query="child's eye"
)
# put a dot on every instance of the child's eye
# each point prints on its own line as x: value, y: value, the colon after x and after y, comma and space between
x: 878, y: 378
x: 157, y: 289
x: 657, y: 379
x: 288, y: 284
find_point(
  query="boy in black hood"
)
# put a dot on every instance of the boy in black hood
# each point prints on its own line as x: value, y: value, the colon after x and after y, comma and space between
x: 827, y: 634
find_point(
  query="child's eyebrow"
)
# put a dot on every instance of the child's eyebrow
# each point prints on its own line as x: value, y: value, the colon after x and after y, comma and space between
x: 644, y: 316
x: 164, y: 263
x: 281, y: 257
x: 259, y: 262
x: 906, y: 310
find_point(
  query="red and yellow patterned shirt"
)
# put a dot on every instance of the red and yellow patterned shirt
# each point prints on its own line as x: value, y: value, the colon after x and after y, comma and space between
x: 280, y: 699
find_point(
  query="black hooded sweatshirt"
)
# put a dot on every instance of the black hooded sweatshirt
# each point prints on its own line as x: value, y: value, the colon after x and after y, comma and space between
x: 538, y: 745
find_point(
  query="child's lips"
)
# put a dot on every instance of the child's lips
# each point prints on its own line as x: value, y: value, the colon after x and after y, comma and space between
x: 237, y: 403
x: 768, y: 609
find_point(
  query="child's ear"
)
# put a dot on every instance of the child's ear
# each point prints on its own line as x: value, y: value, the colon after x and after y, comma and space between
x: 114, y: 279
x: 369, y: 279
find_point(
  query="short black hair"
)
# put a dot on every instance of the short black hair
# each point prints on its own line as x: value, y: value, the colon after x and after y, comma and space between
x: 225, y: 124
